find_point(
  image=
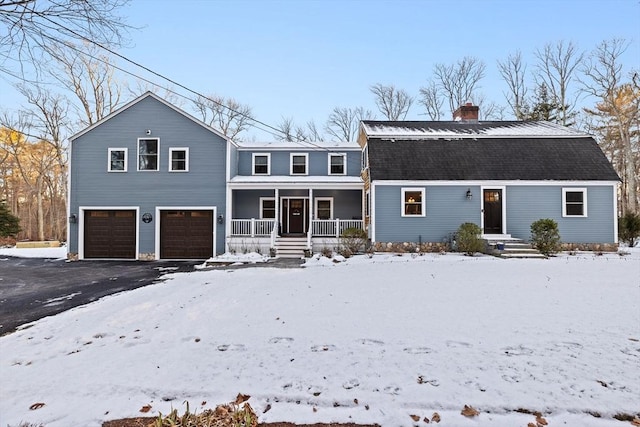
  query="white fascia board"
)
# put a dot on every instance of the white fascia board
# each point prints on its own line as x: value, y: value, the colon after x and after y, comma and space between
x: 295, y: 185
x: 494, y: 183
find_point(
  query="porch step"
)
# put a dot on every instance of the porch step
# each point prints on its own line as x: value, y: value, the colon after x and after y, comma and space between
x: 290, y: 247
x: 513, y: 248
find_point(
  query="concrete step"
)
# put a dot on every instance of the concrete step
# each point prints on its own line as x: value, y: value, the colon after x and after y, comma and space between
x: 512, y: 248
x: 290, y: 247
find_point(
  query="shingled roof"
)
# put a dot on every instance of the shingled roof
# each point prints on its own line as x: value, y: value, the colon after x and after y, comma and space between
x: 453, y: 151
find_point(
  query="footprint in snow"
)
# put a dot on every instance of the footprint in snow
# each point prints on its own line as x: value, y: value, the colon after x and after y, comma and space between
x: 418, y: 350
x: 517, y: 351
x: 231, y: 347
x: 367, y: 341
x: 458, y: 344
x: 278, y: 340
x: 321, y: 348
x: 352, y: 383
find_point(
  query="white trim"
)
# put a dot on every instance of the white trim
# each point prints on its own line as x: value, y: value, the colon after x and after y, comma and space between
x: 228, y: 217
x: 126, y: 162
x: 186, y: 159
x: 615, y: 213
x: 253, y: 163
x: 82, y: 209
x: 322, y: 199
x: 140, y: 98
x: 403, y: 202
x: 344, y: 163
x: 584, y: 202
x: 304, y: 208
x: 372, y: 212
x: 503, y: 205
x: 157, y: 154
x: 184, y: 208
x: 306, y: 163
x: 261, y: 207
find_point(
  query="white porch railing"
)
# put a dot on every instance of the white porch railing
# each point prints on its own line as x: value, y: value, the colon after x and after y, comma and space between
x: 268, y: 227
x: 333, y: 227
x: 252, y: 227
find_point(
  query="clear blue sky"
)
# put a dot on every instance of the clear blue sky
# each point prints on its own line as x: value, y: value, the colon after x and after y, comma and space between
x: 301, y: 58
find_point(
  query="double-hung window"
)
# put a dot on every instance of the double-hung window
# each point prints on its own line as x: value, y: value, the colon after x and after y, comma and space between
x: 337, y: 164
x: 299, y: 164
x: 267, y: 208
x: 324, y: 208
x: 117, y: 160
x: 148, y: 157
x: 179, y: 159
x: 574, y: 202
x: 413, y: 202
x: 261, y: 164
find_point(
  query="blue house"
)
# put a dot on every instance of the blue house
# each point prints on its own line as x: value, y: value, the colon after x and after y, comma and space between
x: 152, y: 182
x: 423, y: 179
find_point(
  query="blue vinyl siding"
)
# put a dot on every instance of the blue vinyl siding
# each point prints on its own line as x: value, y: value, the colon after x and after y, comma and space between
x: 202, y: 185
x: 318, y: 162
x: 446, y: 208
x: 526, y: 204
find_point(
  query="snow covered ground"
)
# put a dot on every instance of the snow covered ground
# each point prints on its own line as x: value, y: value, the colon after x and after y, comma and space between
x: 372, y: 340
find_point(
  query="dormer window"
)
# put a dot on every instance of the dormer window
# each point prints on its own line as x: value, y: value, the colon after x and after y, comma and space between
x: 299, y: 164
x: 337, y: 164
x: 261, y: 164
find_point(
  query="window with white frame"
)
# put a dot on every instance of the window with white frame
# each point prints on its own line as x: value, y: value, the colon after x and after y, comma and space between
x: 117, y: 160
x: 337, y: 164
x: 324, y: 207
x: 365, y: 157
x: 574, y: 202
x: 267, y: 208
x: 367, y: 204
x: 148, y: 157
x: 179, y: 159
x: 413, y: 202
x: 261, y: 163
x: 299, y: 164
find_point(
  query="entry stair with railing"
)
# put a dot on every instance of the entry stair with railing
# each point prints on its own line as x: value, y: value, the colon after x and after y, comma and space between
x: 505, y: 246
x: 290, y: 247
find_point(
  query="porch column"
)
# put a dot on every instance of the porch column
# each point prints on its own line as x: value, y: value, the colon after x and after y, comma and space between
x: 277, y: 213
x: 310, y: 213
x: 227, y: 221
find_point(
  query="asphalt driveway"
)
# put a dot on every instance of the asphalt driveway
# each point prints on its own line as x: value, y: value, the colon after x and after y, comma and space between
x: 33, y: 288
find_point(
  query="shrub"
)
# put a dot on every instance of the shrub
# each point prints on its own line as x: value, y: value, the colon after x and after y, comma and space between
x: 353, y: 239
x: 545, y: 236
x: 468, y: 239
x: 9, y: 224
x: 629, y: 228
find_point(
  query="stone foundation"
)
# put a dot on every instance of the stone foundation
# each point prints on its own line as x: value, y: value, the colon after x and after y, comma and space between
x: 72, y: 256
x: 410, y: 247
x: 147, y: 256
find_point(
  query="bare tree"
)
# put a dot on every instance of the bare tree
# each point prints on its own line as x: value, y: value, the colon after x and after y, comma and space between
x: 393, y: 103
x: 459, y: 82
x: 29, y: 29
x: 618, y: 112
x: 313, y: 132
x: 513, y: 72
x: 225, y: 114
x: 556, y: 67
x: 343, y: 122
x: 432, y: 99
x: 89, y: 75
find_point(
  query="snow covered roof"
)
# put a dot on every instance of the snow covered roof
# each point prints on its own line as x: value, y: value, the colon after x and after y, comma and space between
x: 465, y: 129
x: 298, y: 145
x: 273, y: 181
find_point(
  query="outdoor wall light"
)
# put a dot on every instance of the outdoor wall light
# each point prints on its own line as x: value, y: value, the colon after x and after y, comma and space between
x: 73, y: 219
x: 220, y: 219
x: 147, y: 218
x: 469, y: 195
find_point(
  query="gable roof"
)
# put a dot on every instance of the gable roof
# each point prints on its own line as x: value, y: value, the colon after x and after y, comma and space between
x: 137, y: 100
x: 333, y: 146
x: 452, y: 151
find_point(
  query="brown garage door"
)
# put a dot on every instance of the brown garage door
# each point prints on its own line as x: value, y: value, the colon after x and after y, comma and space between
x: 110, y: 234
x: 186, y: 234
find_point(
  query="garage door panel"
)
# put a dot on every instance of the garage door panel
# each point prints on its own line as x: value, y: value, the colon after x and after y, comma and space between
x: 110, y: 234
x: 186, y: 234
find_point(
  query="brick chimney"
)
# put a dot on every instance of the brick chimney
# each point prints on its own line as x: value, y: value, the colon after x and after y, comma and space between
x: 466, y: 113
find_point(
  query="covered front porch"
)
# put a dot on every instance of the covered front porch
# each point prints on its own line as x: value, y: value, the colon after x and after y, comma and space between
x: 298, y: 219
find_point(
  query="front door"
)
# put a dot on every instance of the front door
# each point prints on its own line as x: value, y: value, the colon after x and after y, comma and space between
x: 492, y: 211
x: 294, y: 214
